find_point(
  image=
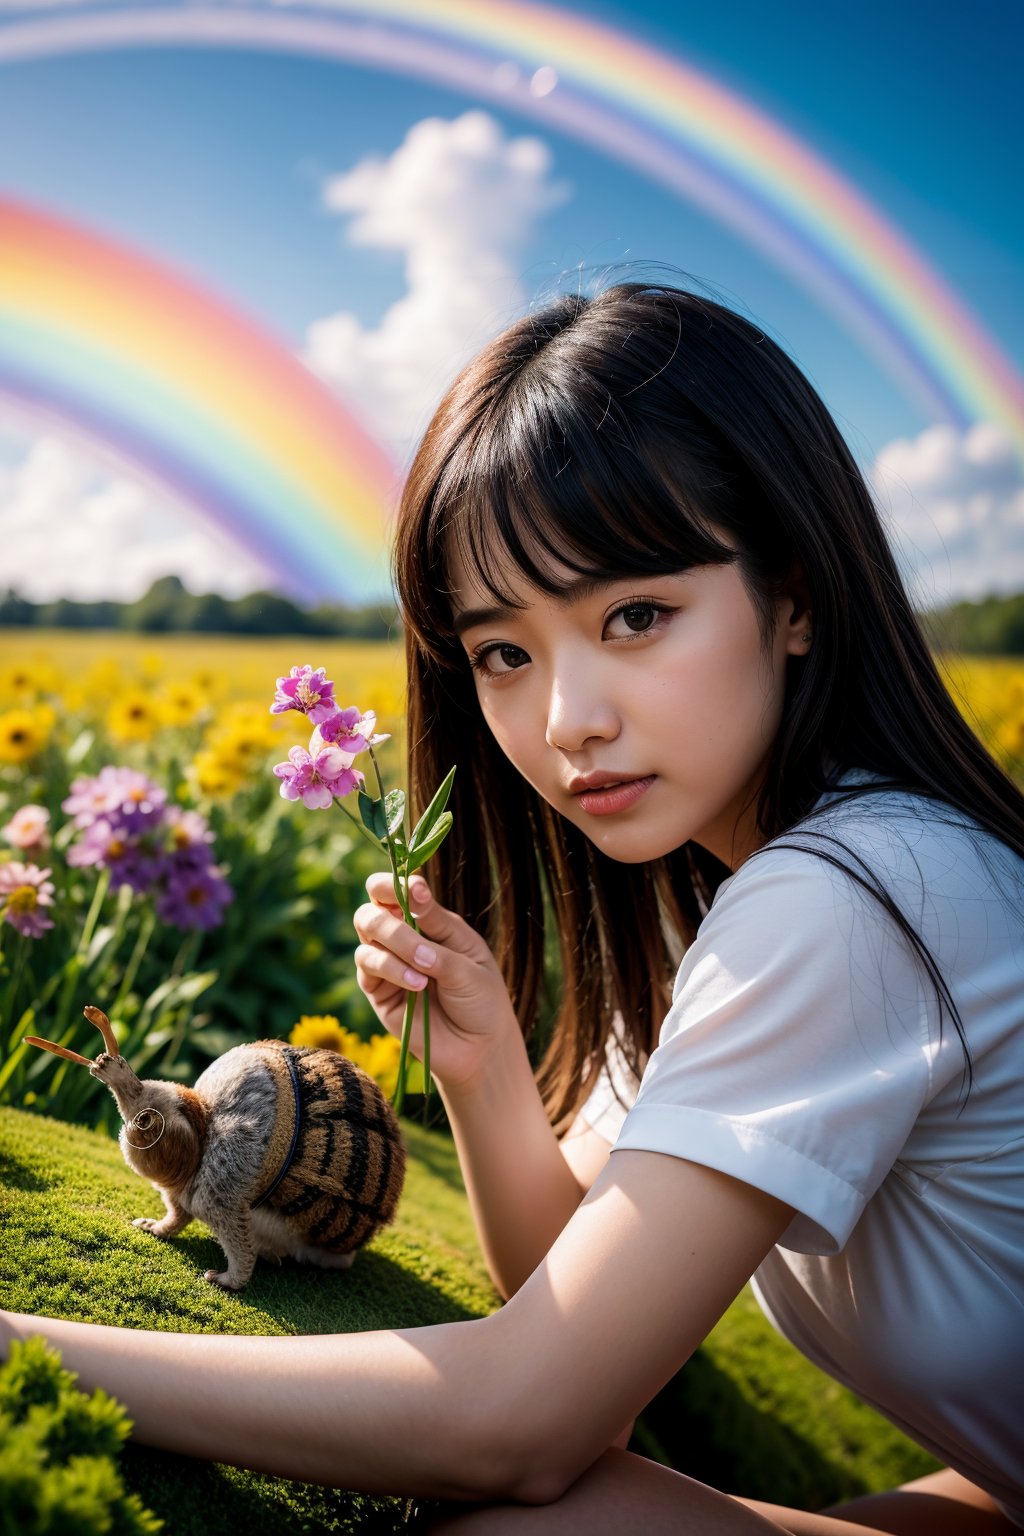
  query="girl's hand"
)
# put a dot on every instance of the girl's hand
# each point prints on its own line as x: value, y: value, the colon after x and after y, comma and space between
x: 470, y: 1009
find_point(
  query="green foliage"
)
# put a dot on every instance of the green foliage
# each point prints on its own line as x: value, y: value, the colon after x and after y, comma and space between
x: 169, y: 606
x: 68, y: 1249
x: 58, y: 1450
x: 992, y: 627
x: 177, y: 1000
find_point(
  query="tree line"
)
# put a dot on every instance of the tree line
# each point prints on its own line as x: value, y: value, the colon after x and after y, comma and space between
x: 994, y: 626
x: 168, y: 605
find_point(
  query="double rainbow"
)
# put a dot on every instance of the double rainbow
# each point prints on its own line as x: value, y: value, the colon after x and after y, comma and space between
x: 304, y: 475
x: 197, y: 398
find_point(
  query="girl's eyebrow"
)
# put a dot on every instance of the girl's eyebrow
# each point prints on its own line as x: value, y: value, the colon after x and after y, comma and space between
x: 575, y: 592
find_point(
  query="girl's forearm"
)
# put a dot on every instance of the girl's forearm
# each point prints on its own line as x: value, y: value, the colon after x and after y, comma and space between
x: 382, y: 1412
x: 521, y: 1190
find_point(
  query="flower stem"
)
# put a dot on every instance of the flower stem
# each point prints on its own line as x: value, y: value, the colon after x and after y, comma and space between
x: 402, y: 897
x: 364, y: 830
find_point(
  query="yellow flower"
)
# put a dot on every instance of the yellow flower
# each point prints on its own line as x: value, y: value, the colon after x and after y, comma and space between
x: 104, y: 678
x: 180, y: 703
x: 378, y: 1056
x: 29, y: 679
x: 18, y: 683
x: 215, y: 775
x: 212, y: 685
x: 133, y: 717
x: 23, y: 733
x: 324, y: 1032
x: 380, y: 1059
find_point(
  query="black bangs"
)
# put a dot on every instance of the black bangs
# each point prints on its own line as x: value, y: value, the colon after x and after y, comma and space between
x: 542, y: 494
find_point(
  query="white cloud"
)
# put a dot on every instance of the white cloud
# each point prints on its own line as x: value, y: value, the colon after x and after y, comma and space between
x: 68, y: 528
x: 954, y: 504
x: 461, y: 202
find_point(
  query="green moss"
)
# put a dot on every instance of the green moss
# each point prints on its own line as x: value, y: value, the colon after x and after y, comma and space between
x: 747, y: 1413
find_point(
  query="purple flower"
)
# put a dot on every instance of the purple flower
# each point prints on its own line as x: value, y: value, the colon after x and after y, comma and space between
x: 24, y: 891
x: 92, y: 798
x: 116, y: 794
x: 190, y: 836
x: 311, y: 693
x: 350, y: 730
x: 195, y: 898
x: 317, y: 777
x: 126, y: 826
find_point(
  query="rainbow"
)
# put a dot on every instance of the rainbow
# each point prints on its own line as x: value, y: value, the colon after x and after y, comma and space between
x: 672, y: 122
x: 197, y: 400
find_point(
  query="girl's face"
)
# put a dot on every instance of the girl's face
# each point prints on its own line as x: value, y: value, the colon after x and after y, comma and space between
x: 643, y: 709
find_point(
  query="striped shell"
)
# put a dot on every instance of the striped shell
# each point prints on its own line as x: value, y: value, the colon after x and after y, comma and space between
x: 348, y: 1164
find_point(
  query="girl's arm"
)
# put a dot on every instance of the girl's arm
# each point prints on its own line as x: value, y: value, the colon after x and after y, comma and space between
x: 521, y: 1188
x: 513, y: 1406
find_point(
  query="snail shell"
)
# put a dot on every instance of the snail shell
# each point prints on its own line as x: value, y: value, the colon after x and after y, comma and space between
x: 305, y: 1134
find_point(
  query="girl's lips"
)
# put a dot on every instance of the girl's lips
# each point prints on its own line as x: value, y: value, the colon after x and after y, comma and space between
x: 616, y: 797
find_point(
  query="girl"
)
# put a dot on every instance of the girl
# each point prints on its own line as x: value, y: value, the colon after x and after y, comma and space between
x: 652, y: 616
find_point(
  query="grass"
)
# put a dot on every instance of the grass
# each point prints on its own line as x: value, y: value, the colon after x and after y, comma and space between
x: 747, y: 1414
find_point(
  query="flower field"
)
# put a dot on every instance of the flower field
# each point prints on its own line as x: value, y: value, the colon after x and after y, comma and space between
x: 150, y: 866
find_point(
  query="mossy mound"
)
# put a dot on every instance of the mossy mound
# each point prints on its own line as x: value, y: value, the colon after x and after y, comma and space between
x: 747, y: 1414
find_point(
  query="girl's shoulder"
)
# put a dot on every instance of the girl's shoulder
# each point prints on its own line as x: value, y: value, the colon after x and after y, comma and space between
x: 865, y: 829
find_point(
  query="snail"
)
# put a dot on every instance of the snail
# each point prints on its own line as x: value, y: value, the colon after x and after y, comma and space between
x: 280, y: 1149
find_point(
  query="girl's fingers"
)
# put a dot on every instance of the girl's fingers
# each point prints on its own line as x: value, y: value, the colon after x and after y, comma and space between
x: 382, y: 965
x: 381, y: 889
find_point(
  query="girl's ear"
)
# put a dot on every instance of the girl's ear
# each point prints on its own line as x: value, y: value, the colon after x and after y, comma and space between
x: 794, y: 609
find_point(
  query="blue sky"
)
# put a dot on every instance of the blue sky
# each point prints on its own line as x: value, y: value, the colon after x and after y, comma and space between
x: 216, y: 161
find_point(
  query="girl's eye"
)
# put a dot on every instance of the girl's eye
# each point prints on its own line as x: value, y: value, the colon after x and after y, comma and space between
x: 638, y: 617
x: 497, y: 660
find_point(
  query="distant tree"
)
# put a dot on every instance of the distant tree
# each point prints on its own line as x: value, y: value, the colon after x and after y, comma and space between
x: 994, y: 626
x: 208, y: 613
x: 268, y: 613
x: 161, y: 607
x: 16, y: 610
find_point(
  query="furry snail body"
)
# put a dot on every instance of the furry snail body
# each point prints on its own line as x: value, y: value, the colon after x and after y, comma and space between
x: 280, y: 1149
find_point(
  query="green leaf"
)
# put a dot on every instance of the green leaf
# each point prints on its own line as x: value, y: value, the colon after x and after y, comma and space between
x: 194, y: 985
x: 394, y: 802
x: 425, y: 826
x: 422, y: 853
x: 374, y: 815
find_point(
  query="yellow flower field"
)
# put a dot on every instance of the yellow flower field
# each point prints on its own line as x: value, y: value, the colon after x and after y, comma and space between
x: 144, y: 689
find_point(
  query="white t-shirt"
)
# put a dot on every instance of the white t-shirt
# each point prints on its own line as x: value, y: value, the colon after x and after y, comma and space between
x: 803, y: 1054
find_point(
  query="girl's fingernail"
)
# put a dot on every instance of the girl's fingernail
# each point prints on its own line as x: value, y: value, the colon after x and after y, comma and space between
x: 414, y: 979
x: 420, y: 889
x: 425, y: 955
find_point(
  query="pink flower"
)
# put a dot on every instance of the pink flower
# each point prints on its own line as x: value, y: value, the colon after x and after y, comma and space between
x: 24, y: 891
x: 317, y: 777
x: 27, y: 827
x: 350, y: 730
x: 115, y: 793
x: 307, y: 691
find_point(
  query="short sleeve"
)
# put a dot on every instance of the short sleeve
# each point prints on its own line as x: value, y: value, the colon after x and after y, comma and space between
x: 795, y: 1055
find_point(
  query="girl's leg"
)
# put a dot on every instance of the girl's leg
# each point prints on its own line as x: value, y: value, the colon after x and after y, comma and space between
x: 627, y: 1495
x: 622, y: 1495
x: 941, y: 1504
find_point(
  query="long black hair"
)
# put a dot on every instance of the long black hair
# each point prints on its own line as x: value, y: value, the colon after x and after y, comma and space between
x: 643, y: 431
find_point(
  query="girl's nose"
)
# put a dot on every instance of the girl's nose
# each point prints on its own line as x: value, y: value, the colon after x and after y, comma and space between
x: 578, y: 713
